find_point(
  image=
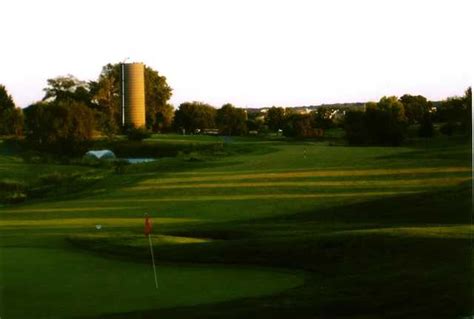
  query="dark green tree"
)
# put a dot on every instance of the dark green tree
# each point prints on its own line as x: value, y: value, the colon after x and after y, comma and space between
x: 426, y: 126
x: 67, y: 88
x: 451, y: 110
x: 64, y: 127
x: 6, y: 101
x: 299, y: 125
x: 275, y: 118
x: 382, y: 123
x: 386, y: 122
x: 231, y: 120
x: 159, y: 113
x: 392, y: 105
x: 415, y: 106
x: 192, y: 116
x: 456, y: 113
x: 466, y: 121
x: 355, y: 128
x: 106, y: 96
x: 11, y: 118
x: 322, y: 118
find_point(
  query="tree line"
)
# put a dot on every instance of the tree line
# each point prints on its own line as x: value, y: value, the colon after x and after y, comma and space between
x: 386, y: 122
x: 73, y: 111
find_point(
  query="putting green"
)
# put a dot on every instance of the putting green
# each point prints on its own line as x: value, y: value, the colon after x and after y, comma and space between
x: 54, y: 283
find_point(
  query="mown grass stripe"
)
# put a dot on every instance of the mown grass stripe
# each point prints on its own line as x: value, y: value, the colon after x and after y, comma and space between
x: 312, y: 173
x: 431, y: 182
x: 91, y: 221
x: 251, y: 196
x: 68, y: 209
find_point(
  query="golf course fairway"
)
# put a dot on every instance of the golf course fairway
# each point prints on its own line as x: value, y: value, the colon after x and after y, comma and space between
x: 66, y: 284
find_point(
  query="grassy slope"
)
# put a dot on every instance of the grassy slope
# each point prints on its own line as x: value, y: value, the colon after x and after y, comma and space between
x: 275, y: 207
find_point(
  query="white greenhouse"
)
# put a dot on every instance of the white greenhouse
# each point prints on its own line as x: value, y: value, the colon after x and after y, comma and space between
x: 100, y: 154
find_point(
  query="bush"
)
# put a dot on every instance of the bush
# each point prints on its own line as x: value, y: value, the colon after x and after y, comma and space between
x: 14, y: 198
x: 120, y: 165
x: 57, y: 178
x: 137, y: 134
x: 448, y: 128
x: 7, y: 185
x: 153, y: 149
x: 12, y: 192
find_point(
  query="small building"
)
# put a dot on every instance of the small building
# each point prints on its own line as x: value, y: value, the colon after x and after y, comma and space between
x: 100, y: 154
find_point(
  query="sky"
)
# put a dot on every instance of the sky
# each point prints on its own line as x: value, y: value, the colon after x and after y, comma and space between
x: 251, y: 53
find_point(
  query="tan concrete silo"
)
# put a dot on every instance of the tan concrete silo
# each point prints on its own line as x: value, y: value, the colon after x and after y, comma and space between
x: 134, y: 94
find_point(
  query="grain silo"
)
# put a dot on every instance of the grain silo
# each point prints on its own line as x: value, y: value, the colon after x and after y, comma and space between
x: 133, y: 98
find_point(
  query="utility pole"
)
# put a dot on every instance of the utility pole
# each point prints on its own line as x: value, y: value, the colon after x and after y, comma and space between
x: 123, y: 91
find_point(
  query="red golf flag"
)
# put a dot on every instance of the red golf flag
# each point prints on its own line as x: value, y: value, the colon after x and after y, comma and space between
x: 148, y: 225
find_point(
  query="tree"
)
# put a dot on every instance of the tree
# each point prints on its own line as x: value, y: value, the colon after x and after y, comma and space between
x: 299, y: 125
x: 386, y: 123
x: 63, y: 127
x: 466, y: 121
x: 355, y: 128
x: 392, y: 105
x: 159, y: 113
x: 256, y: 124
x: 382, y: 123
x: 164, y: 118
x: 106, y: 97
x: 11, y: 122
x: 457, y: 113
x: 11, y: 118
x: 275, y: 118
x: 68, y: 87
x: 231, y: 120
x: 192, y: 116
x: 322, y: 118
x: 415, y: 107
x: 6, y: 101
x: 426, y: 126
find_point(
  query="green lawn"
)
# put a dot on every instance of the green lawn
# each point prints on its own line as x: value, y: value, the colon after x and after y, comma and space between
x: 61, y: 283
x: 374, y: 228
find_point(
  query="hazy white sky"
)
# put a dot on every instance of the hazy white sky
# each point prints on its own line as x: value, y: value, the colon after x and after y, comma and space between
x: 250, y: 53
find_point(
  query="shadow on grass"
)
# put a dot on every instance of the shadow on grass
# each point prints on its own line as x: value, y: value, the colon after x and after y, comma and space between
x: 354, y: 274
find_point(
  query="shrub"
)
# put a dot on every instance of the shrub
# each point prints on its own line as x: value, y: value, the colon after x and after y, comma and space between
x: 14, y: 198
x: 12, y: 192
x: 57, y: 178
x: 448, y: 128
x: 153, y: 149
x: 137, y: 134
x: 7, y: 185
x: 120, y: 165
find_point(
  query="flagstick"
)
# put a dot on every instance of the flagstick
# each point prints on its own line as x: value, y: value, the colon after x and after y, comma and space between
x: 153, y: 260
